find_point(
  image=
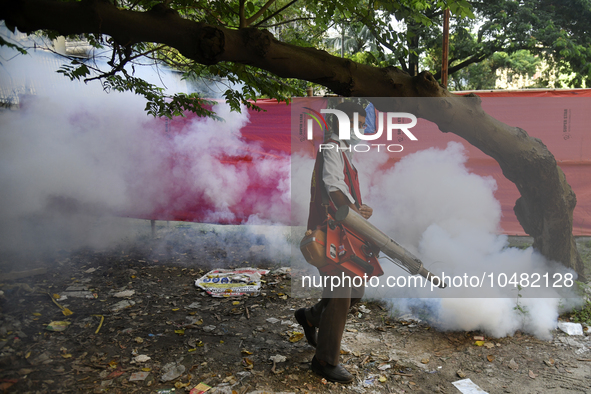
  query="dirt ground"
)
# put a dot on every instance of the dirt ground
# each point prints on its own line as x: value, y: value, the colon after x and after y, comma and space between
x: 188, y: 337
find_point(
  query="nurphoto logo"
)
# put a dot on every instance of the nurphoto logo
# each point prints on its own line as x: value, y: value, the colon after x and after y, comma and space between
x: 388, y: 121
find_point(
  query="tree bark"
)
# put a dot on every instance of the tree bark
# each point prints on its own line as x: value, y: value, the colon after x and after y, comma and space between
x: 545, y: 208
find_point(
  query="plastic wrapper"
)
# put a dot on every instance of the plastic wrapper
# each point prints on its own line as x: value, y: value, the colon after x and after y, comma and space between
x: 232, y: 282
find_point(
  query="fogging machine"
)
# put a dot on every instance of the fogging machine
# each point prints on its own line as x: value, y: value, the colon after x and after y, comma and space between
x: 351, y: 244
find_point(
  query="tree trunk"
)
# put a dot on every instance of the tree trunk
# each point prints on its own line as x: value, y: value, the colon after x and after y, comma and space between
x: 545, y: 209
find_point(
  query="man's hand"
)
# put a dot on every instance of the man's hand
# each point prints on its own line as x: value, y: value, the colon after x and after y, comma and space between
x: 339, y: 199
x: 365, y: 211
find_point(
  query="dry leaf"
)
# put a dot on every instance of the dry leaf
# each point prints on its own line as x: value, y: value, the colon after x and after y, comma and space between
x: 248, y: 364
x: 513, y: 365
x: 296, y: 336
x: 67, y: 312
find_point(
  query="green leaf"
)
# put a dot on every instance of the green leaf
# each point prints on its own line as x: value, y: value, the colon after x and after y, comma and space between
x: 19, y: 48
x: 250, y: 7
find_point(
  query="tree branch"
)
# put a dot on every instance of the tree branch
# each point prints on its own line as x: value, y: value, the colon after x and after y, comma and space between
x: 473, y: 59
x: 207, y: 44
x: 242, y: 23
x: 275, y: 13
x: 260, y: 12
x: 285, y: 22
x: 403, y: 64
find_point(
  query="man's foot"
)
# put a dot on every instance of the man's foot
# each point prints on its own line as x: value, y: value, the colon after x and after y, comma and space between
x: 309, y: 331
x: 332, y: 373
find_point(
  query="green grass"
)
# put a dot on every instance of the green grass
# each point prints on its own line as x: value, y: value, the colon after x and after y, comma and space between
x: 583, y: 315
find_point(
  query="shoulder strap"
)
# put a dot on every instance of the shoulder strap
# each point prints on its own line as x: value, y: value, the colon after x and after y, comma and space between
x: 351, y: 187
x: 323, y: 192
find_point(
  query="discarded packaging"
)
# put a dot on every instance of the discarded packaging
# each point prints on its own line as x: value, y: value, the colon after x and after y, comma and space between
x: 142, y: 358
x: 281, y: 271
x: 231, y: 283
x: 369, y: 381
x: 138, y: 376
x: 571, y: 328
x: 122, y: 305
x: 78, y: 292
x: 200, y: 388
x: 579, y: 345
x: 172, y: 371
x: 57, y: 326
x: 278, y: 358
x: 363, y: 309
x: 123, y: 294
x: 466, y: 386
x: 273, y: 320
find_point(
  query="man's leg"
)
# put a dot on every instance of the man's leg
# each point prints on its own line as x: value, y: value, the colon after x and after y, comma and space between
x: 309, y: 319
x: 334, y: 308
x: 331, y: 327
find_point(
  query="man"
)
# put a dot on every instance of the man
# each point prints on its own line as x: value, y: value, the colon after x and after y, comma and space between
x: 336, y: 177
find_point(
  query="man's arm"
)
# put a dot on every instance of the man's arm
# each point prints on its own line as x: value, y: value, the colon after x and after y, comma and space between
x: 334, y: 178
x: 339, y: 199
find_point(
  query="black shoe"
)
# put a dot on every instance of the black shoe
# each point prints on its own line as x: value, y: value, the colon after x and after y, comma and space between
x: 310, y: 332
x: 332, y: 373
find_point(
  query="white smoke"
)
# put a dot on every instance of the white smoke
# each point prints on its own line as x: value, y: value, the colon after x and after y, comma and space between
x: 435, y: 207
x: 74, y: 160
x: 431, y: 204
x: 301, y: 176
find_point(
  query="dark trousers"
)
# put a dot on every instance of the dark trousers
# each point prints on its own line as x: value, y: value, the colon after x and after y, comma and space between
x: 330, y: 316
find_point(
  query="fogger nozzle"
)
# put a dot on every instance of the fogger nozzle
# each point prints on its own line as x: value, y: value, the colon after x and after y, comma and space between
x: 387, y: 245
